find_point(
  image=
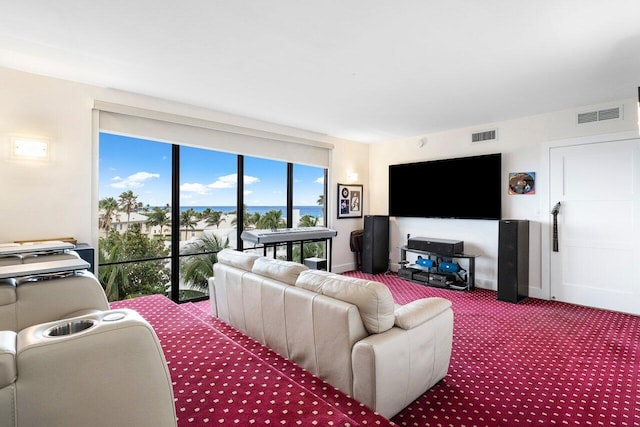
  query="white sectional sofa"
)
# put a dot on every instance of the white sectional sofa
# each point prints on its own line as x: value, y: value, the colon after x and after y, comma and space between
x: 347, y: 331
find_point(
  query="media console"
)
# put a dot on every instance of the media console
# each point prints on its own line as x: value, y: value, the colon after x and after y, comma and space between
x: 438, y: 269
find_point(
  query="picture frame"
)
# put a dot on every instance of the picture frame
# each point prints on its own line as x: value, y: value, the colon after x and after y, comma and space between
x: 523, y: 183
x: 350, y: 198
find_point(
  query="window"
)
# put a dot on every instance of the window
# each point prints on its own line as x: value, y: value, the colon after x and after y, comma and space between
x: 265, y: 196
x: 134, y: 189
x: 208, y: 203
x: 308, y: 207
x: 155, y: 197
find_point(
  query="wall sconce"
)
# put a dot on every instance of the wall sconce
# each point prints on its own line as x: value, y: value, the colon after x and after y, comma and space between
x: 352, y: 177
x: 30, y: 148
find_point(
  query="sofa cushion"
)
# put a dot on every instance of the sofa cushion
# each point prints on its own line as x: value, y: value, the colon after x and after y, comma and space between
x: 373, y: 299
x: 7, y: 291
x: 419, y: 311
x: 238, y: 259
x: 283, y: 271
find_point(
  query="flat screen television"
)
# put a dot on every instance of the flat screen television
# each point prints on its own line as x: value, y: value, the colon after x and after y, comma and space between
x: 463, y: 187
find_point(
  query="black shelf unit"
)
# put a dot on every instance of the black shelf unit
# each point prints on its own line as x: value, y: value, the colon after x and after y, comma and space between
x: 425, y: 276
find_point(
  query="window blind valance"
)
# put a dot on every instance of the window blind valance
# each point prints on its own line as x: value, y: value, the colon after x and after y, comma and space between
x: 175, y: 129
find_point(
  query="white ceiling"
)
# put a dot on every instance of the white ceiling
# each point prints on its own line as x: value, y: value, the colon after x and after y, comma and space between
x: 366, y: 70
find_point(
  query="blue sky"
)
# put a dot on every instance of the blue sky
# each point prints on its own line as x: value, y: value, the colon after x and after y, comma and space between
x: 208, y: 178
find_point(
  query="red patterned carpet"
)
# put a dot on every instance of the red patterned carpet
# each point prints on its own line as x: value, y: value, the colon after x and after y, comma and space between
x: 223, y: 381
x: 539, y: 363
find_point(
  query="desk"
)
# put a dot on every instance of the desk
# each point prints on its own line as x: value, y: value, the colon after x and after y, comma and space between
x: 458, y: 282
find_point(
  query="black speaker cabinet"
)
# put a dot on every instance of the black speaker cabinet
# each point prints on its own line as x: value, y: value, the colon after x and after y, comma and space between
x: 86, y: 252
x: 513, y: 260
x: 375, y: 244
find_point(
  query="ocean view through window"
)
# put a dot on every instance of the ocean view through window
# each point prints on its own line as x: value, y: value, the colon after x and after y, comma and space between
x: 155, y: 197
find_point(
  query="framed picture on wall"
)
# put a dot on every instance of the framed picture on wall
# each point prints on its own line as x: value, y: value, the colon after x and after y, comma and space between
x: 349, y: 201
x: 522, y: 183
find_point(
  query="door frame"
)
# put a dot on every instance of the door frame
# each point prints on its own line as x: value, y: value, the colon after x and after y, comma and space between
x: 544, y: 292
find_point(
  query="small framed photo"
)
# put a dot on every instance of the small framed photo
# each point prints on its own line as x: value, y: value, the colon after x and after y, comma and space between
x: 349, y: 201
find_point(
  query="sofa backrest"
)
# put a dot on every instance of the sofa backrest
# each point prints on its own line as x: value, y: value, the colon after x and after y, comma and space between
x: 283, y: 271
x: 257, y: 296
x: 25, y: 302
x: 238, y: 259
x: 373, y: 299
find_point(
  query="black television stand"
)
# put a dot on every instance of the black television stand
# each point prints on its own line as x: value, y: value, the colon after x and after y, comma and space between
x: 462, y: 280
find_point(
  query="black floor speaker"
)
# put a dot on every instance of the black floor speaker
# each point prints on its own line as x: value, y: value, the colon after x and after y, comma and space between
x: 375, y: 244
x: 513, y: 260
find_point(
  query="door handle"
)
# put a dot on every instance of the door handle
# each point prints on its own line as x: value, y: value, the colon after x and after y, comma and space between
x: 555, y: 211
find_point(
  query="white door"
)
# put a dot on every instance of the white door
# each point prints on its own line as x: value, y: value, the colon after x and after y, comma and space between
x: 598, y: 259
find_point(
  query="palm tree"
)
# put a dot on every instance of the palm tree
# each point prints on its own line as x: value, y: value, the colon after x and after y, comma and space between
x: 128, y: 203
x: 112, y: 277
x: 308, y: 221
x: 160, y: 217
x: 108, y: 206
x: 213, y: 217
x: 271, y: 219
x: 202, y: 253
x: 320, y: 202
x: 312, y: 249
x: 188, y: 221
x: 248, y: 220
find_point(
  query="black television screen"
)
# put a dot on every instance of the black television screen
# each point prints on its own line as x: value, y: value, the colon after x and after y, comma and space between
x: 464, y: 187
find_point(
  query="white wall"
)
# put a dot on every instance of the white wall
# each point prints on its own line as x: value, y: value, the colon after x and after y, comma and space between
x: 59, y: 198
x: 524, y: 143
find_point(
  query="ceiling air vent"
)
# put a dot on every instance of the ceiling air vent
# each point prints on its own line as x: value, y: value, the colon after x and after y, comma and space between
x: 487, y: 135
x: 591, y: 116
x: 608, y: 114
x: 598, y: 116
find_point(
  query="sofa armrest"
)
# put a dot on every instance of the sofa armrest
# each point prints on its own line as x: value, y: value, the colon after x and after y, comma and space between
x: 112, y: 373
x: 212, y: 296
x: 393, y: 368
x: 419, y: 311
x: 8, y: 370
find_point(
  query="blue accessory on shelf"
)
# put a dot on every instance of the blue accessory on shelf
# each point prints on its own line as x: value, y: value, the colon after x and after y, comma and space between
x: 449, y: 267
x: 424, y: 262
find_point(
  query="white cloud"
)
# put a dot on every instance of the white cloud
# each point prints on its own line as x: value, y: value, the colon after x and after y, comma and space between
x: 319, y: 180
x: 134, y: 181
x: 227, y: 181
x: 248, y: 180
x: 194, y: 188
x: 231, y: 181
